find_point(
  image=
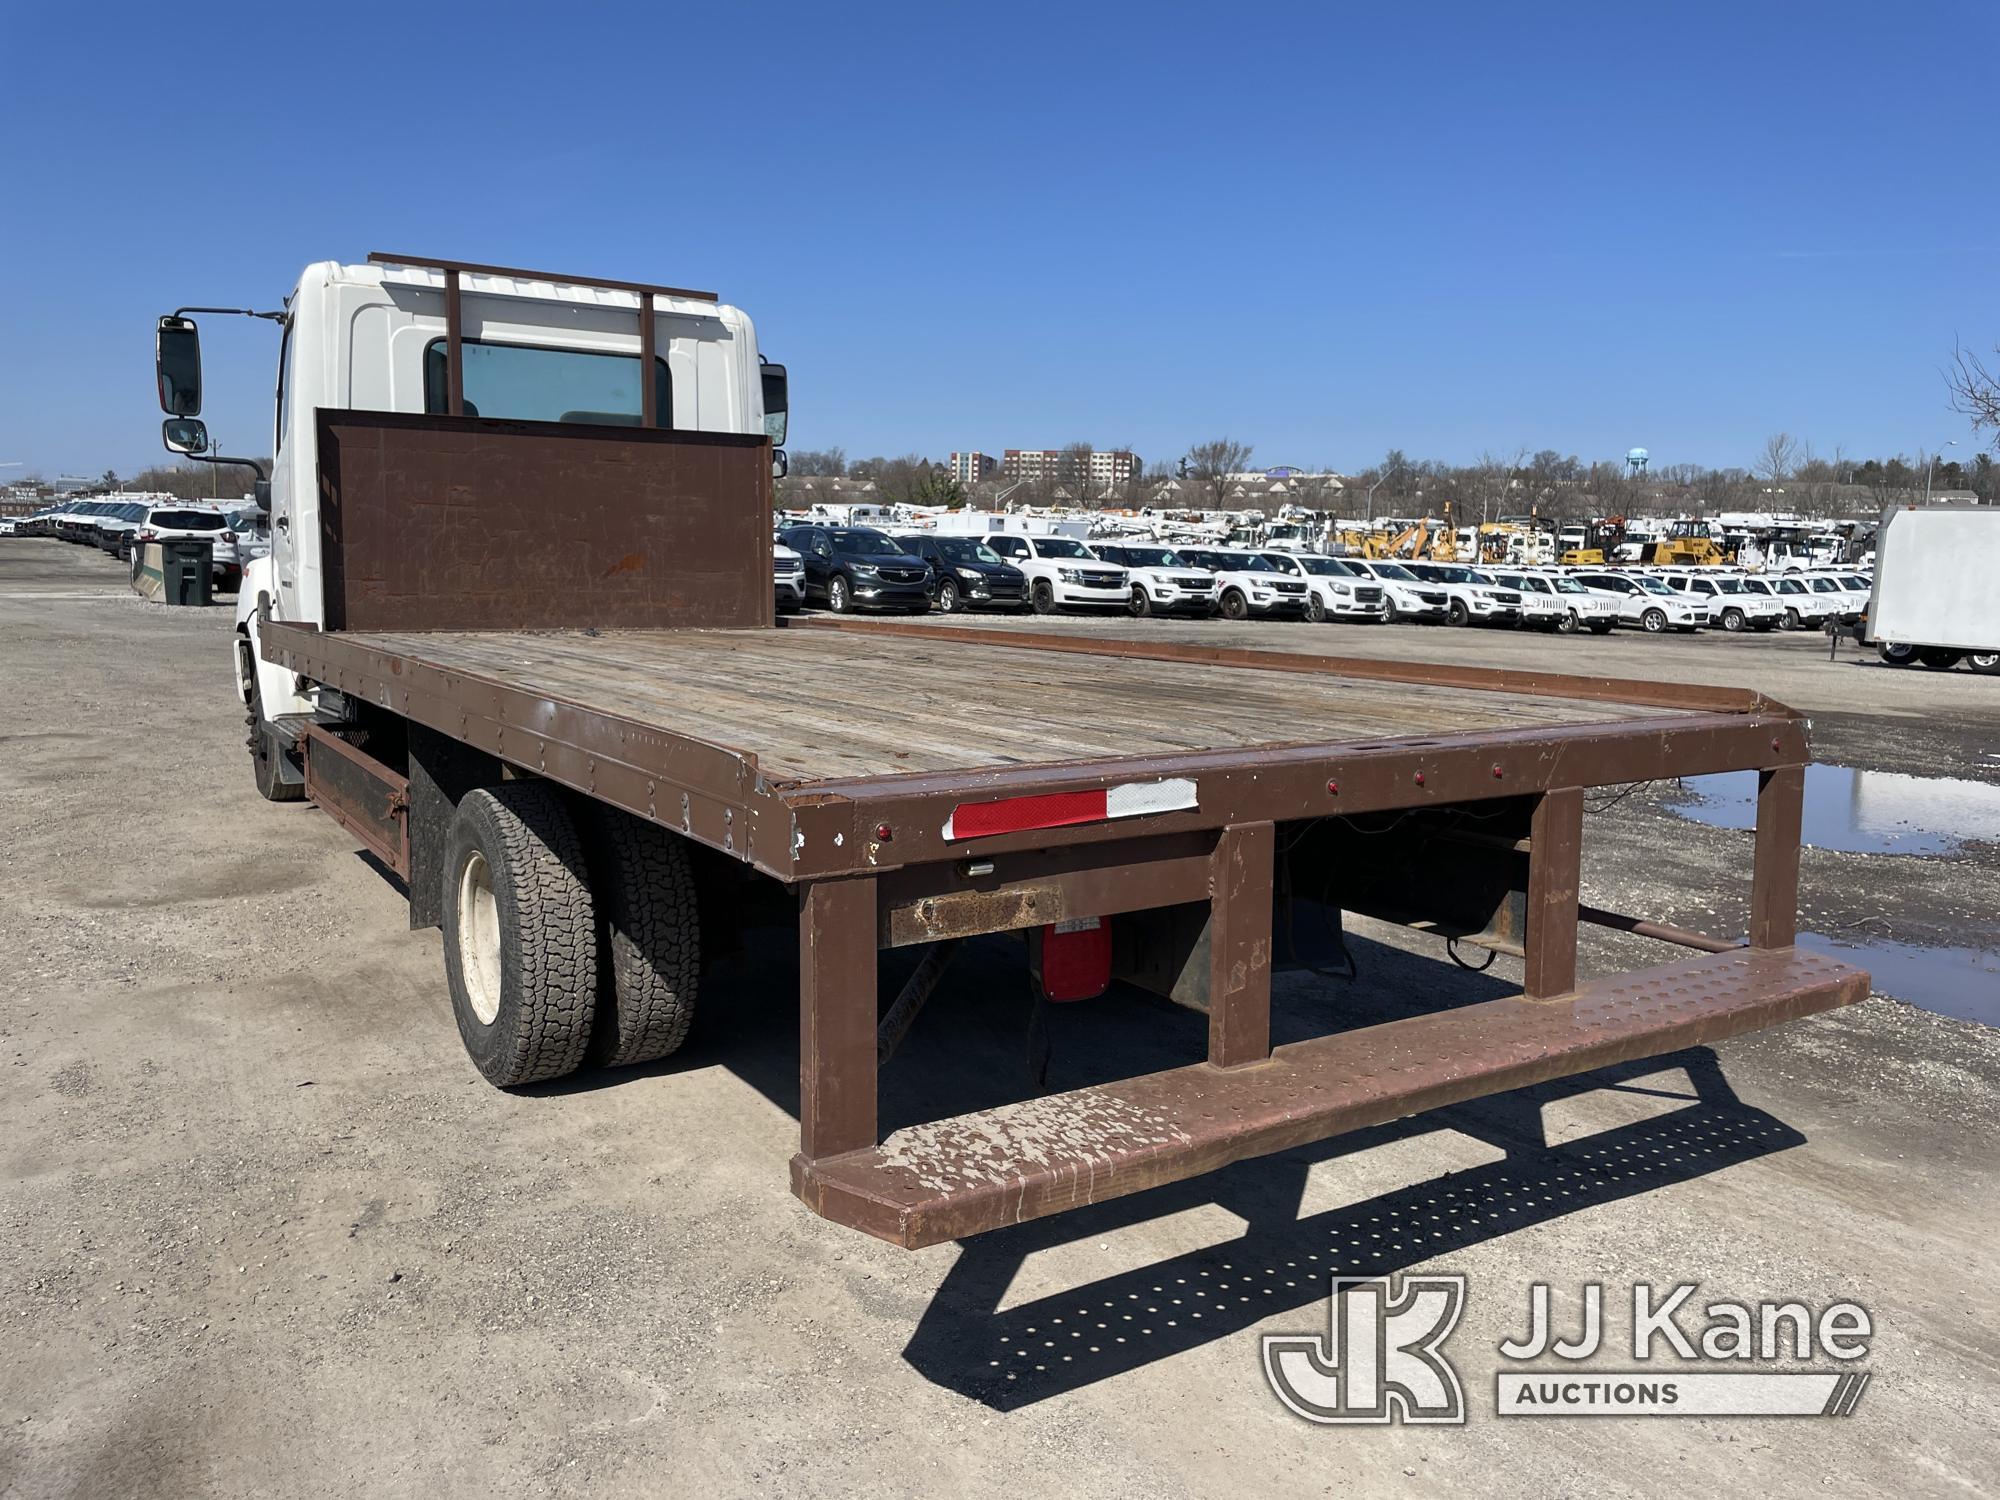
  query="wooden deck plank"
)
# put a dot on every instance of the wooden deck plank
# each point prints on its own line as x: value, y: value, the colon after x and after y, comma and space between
x: 810, y: 705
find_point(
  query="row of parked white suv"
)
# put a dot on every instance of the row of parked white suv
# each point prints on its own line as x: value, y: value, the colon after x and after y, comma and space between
x: 236, y: 533
x: 850, y: 567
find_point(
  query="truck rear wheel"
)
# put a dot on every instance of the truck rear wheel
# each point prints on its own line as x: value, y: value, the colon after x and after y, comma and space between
x: 520, y: 933
x: 1937, y: 658
x: 1984, y: 661
x: 650, y: 952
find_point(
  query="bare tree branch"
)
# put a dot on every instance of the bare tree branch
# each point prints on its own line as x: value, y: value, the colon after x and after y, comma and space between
x: 1975, y: 390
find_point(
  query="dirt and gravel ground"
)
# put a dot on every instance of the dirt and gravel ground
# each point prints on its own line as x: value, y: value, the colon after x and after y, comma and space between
x: 263, y: 1231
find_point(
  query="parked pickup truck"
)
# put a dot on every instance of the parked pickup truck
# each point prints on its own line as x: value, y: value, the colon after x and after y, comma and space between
x: 788, y: 577
x: 1552, y: 601
x: 565, y: 717
x: 1731, y: 602
x: 1802, y: 608
x: 1062, y: 573
x: 1163, y: 582
x: 1470, y: 598
x: 1248, y: 586
x: 1645, y: 602
x: 1405, y: 596
x: 1335, y: 590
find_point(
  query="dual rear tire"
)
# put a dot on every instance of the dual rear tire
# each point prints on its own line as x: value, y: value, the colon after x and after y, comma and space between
x: 566, y: 940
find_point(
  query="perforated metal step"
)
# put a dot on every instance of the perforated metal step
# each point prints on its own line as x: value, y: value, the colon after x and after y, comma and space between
x: 971, y: 1173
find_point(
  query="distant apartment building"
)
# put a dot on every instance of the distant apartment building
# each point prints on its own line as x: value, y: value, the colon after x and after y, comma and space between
x: 970, y: 468
x: 1107, y: 465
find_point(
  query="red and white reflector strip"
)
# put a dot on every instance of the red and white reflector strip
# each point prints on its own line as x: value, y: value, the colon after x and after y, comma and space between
x: 1134, y: 799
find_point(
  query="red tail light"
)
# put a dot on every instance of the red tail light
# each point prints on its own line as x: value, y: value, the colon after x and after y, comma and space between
x: 1073, y: 959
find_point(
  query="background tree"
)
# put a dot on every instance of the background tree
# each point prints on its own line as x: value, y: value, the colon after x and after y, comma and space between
x: 1073, y: 472
x: 1213, y: 462
x: 819, y: 463
x: 193, y: 481
x: 1975, y: 390
x: 937, y: 487
x: 1780, y: 455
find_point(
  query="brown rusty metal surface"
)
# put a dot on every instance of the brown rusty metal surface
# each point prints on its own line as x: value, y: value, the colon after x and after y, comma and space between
x: 649, y: 390
x: 1284, y: 783
x: 362, y: 795
x: 957, y: 1177
x: 1435, y: 674
x: 1239, y: 945
x: 1555, y: 876
x: 464, y: 523
x: 1774, y: 888
x: 837, y: 1024
x: 960, y: 898
x: 428, y: 263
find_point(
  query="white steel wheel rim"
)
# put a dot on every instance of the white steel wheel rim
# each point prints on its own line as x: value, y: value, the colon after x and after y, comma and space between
x: 479, y: 938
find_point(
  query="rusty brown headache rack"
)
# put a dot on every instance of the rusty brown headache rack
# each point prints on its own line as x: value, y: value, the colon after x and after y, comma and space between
x: 454, y: 317
x: 573, y: 661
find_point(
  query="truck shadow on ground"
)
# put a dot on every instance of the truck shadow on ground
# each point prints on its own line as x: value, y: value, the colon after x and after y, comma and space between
x: 968, y: 1051
x: 1016, y: 1356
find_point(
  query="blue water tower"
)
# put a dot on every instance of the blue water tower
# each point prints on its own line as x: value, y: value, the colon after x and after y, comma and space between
x: 1635, y: 463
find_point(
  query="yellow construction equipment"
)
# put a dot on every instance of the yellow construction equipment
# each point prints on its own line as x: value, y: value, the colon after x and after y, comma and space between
x: 1688, y: 542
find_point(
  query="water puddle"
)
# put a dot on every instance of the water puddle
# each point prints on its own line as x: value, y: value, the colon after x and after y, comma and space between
x: 1860, y: 812
x: 1961, y: 982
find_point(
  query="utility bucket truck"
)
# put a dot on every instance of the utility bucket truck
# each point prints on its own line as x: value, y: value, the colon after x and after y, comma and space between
x: 517, y: 636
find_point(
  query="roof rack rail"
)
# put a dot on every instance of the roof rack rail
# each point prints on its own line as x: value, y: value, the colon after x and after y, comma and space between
x: 471, y: 268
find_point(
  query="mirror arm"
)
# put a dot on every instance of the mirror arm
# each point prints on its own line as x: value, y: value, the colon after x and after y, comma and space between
x: 255, y: 466
x: 231, y: 312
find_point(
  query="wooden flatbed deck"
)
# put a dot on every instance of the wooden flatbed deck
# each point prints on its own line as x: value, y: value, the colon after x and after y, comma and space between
x: 809, y: 704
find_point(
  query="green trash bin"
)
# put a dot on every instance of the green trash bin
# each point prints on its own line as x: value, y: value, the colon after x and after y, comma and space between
x: 187, y: 571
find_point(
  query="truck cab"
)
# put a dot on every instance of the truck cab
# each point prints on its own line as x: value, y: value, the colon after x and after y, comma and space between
x: 411, y: 335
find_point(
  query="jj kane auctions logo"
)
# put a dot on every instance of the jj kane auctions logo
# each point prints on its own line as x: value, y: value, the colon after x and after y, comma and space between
x: 1382, y: 1357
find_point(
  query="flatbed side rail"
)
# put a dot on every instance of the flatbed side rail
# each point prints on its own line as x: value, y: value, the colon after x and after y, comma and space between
x: 818, y: 829
x: 709, y: 792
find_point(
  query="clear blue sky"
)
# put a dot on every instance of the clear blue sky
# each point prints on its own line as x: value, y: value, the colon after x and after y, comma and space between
x: 1322, y: 229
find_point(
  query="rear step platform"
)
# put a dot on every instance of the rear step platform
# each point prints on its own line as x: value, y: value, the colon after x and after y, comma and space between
x: 961, y: 1176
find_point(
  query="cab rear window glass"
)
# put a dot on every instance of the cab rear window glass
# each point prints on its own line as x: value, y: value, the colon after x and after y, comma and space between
x: 186, y: 520
x: 528, y: 384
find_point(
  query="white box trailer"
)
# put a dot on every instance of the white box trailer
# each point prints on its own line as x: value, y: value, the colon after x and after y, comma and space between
x: 1936, y: 597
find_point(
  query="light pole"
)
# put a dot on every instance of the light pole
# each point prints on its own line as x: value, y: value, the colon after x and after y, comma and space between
x: 1377, y: 485
x: 1931, y: 468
